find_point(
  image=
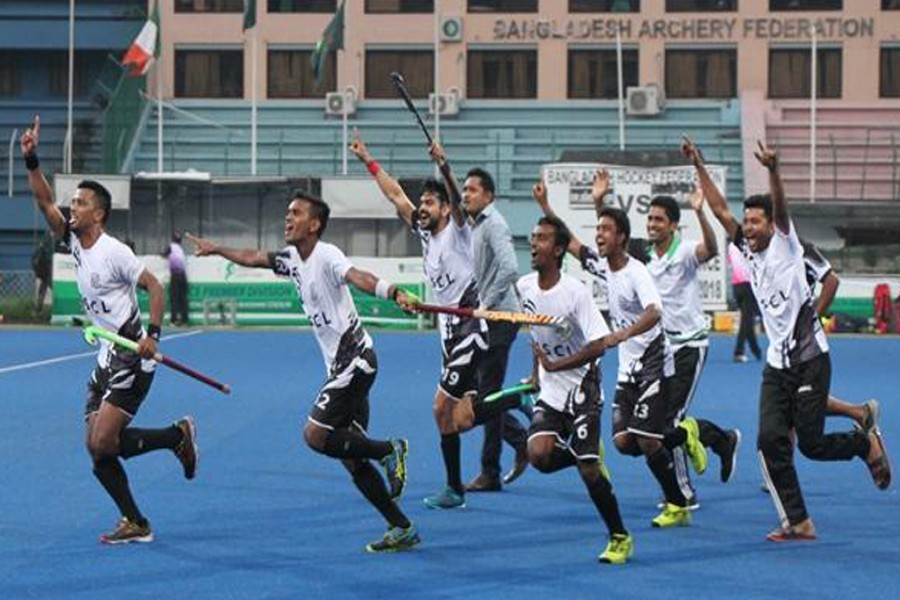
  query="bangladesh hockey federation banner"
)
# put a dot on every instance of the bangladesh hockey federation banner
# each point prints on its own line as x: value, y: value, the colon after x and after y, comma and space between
x: 569, y: 193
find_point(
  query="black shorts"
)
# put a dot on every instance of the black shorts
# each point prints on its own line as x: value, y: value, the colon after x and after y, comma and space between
x: 641, y: 409
x: 689, y: 362
x: 124, y: 387
x: 578, y: 429
x: 343, y: 402
x: 461, y: 356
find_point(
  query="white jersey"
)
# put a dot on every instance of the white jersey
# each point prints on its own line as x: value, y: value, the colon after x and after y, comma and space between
x: 449, y: 265
x: 107, y: 274
x: 630, y: 290
x: 778, y: 279
x: 320, y: 283
x: 675, y: 276
x: 571, y: 300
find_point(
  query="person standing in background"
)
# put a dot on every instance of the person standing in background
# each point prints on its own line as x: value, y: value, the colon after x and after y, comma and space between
x: 178, y: 284
x: 746, y: 303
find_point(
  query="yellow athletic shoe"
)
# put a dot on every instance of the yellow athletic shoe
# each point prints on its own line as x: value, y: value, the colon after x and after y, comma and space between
x: 604, y: 470
x: 695, y: 449
x: 673, y: 516
x: 619, y: 549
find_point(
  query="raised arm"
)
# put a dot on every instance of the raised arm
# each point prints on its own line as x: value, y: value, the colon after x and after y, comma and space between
x: 245, y: 257
x: 539, y: 191
x: 453, y: 190
x: 708, y: 246
x: 43, y: 194
x: 769, y: 159
x: 715, y: 199
x: 599, y: 189
x: 389, y: 186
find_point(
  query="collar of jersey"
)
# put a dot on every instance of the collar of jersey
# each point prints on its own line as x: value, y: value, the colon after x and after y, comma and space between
x: 670, y: 251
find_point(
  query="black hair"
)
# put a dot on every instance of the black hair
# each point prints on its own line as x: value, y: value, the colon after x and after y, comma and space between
x: 668, y: 204
x: 763, y: 201
x: 176, y: 237
x: 321, y: 210
x: 561, y: 236
x: 623, y: 225
x: 101, y: 194
x: 433, y: 186
x: 487, y: 182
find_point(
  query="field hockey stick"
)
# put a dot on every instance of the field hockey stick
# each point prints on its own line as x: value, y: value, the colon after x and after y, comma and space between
x: 494, y: 315
x: 400, y: 84
x: 522, y: 388
x: 92, y: 332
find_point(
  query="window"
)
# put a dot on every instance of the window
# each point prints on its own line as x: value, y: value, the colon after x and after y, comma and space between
x: 701, y: 5
x: 492, y: 6
x: 502, y: 74
x: 11, y: 74
x: 209, y: 73
x: 890, y: 73
x: 416, y: 66
x: 87, y: 68
x: 806, y: 4
x: 790, y: 77
x: 209, y: 6
x: 594, y: 73
x: 399, y: 6
x: 701, y: 73
x: 290, y: 75
x: 580, y: 6
x: 302, y: 6
x: 890, y: 4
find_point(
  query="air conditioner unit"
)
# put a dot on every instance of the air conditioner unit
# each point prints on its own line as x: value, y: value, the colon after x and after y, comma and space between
x: 451, y: 29
x: 443, y: 104
x: 335, y: 102
x: 644, y: 101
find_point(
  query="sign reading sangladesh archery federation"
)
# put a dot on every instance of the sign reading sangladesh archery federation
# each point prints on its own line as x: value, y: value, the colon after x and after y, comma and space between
x: 569, y: 193
x: 681, y: 28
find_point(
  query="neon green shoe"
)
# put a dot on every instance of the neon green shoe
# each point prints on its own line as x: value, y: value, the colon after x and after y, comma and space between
x: 673, y: 516
x: 693, y: 445
x: 619, y: 549
x: 604, y: 470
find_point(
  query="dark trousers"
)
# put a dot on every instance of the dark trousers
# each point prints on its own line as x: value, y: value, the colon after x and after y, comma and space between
x: 743, y: 295
x: 178, y: 298
x: 491, y: 373
x: 795, y: 398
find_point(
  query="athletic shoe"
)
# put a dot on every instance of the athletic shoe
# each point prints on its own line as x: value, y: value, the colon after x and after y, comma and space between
x: 693, y: 445
x: 673, y: 516
x: 396, y: 539
x: 728, y: 458
x: 187, y: 451
x: 395, y: 467
x: 127, y: 531
x: 880, y: 468
x: 446, y: 500
x: 790, y: 534
x: 872, y: 412
x: 619, y: 549
x: 693, y: 503
x: 741, y: 358
x: 604, y: 470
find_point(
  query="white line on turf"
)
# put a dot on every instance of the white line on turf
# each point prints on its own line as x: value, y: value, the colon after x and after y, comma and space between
x: 68, y: 357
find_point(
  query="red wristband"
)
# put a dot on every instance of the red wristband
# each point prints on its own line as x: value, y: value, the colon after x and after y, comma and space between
x: 373, y: 168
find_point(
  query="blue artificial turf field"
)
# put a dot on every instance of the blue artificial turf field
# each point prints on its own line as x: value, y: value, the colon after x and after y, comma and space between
x: 268, y: 518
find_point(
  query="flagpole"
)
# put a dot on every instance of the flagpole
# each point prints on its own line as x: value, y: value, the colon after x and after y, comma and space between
x: 68, y: 143
x: 620, y: 79
x: 437, y: 71
x: 812, y: 116
x: 253, y: 115
x: 159, y: 104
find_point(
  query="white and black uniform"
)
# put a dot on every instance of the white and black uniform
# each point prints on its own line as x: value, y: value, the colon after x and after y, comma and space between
x: 797, y: 376
x: 816, y: 265
x: 645, y: 360
x: 569, y: 402
x: 107, y: 274
x: 343, y: 401
x: 448, y: 262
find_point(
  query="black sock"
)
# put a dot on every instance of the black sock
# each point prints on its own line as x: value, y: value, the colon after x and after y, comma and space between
x: 663, y: 468
x: 604, y: 498
x: 450, y: 452
x: 370, y: 483
x: 134, y: 441
x: 109, y: 472
x: 345, y: 443
x: 485, y: 411
x: 674, y: 437
x: 712, y: 435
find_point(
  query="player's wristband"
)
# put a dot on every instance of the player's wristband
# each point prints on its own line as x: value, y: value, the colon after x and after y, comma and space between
x: 383, y: 289
x: 31, y: 161
x: 373, y: 167
x: 154, y: 331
